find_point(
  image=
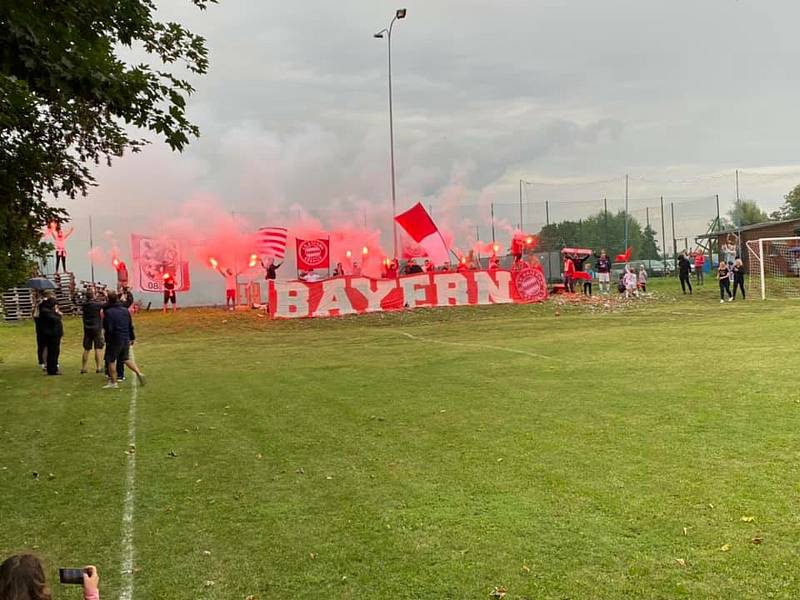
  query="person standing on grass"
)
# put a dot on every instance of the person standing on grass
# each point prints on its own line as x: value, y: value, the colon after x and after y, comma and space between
x: 738, y: 277
x: 630, y: 281
x: 230, y: 287
x: 569, y: 272
x: 92, y: 331
x: 642, y: 279
x: 723, y: 276
x: 52, y: 331
x: 604, y: 271
x: 684, y: 268
x: 120, y: 336
x: 169, y: 292
x: 699, y: 263
x: 41, y: 343
x: 587, y: 283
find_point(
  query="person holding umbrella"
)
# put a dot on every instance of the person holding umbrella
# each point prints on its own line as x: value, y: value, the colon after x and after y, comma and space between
x: 39, y: 285
x: 52, y: 330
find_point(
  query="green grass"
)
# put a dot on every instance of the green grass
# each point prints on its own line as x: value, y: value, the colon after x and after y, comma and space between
x: 341, y: 459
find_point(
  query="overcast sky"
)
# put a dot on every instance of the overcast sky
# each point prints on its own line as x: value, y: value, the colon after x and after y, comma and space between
x: 294, y: 107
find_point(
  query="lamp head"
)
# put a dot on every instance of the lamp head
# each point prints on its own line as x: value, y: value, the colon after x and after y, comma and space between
x: 378, y: 35
x: 401, y: 13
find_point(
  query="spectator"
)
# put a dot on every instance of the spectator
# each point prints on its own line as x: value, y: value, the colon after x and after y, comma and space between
x: 122, y: 274
x: 41, y: 344
x: 429, y: 268
x: 684, y: 268
x: 92, y: 331
x: 569, y: 271
x: 494, y: 263
x: 699, y: 263
x: 723, y: 276
x: 621, y: 282
x: 338, y: 271
x: 60, y: 240
x: 356, y: 269
x: 169, y: 292
x: 271, y: 269
x: 230, y: 287
x: 120, y: 336
x: 604, y: 271
x: 587, y: 283
x: 630, y: 281
x: 52, y: 331
x: 642, y: 283
x: 738, y: 277
x: 126, y: 298
x: 22, y: 578
x: 729, y: 249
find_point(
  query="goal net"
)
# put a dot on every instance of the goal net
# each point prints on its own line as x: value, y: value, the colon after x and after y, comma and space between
x: 775, y: 267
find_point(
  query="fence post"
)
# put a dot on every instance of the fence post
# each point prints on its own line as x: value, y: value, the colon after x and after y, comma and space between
x: 492, y: 208
x: 605, y: 223
x: 674, y: 241
x: 663, y: 237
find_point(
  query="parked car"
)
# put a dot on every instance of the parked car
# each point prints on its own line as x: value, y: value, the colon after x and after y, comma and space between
x: 655, y: 268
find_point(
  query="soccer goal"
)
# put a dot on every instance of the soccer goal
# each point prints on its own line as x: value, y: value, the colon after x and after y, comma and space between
x: 775, y: 266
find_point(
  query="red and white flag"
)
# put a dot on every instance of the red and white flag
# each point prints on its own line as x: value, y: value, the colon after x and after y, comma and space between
x: 271, y: 241
x: 418, y: 224
x: 313, y: 254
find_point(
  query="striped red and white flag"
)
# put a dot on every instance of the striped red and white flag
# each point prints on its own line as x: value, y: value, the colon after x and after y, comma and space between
x: 271, y: 241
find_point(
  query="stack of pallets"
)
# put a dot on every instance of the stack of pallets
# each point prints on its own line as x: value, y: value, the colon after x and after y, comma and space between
x: 65, y: 292
x: 17, y: 303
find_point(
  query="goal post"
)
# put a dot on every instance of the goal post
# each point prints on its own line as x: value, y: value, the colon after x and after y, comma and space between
x: 775, y: 266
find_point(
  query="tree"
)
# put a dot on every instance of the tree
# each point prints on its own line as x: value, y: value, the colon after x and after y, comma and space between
x: 791, y: 206
x: 649, y: 249
x: 746, y: 212
x: 68, y: 102
x: 603, y: 230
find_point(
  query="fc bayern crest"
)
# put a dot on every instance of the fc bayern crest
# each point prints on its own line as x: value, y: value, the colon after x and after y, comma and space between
x: 313, y: 254
x: 530, y: 284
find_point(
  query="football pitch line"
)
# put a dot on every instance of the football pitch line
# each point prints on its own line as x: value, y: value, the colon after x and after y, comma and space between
x: 126, y: 565
x: 476, y: 345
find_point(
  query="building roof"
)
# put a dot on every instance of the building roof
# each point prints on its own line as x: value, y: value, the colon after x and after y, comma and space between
x: 747, y: 228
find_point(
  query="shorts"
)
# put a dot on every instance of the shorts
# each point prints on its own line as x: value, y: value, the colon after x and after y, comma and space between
x: 118, y: 352
x: 604, y: 277
x: 169, y: 296
x: 230, y: 295
x: 92, y: 338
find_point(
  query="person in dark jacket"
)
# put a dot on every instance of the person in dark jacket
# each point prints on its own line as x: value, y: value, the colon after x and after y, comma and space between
x: 684, y: 268
x: 92, y: 331
x: 52, y: 331
x: 120, y: 336
x: 41, y: 346
x: 738, y: 277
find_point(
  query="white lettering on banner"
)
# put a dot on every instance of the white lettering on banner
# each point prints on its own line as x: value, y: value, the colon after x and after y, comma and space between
x: 451, y: 289
x: 384, y: 287
x: 490, y: 292
x: 291, y: 299
x: 334, y: 298
x: 415, y: 290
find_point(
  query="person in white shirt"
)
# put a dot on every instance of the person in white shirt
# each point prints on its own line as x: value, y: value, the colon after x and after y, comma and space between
x: 630, y: 282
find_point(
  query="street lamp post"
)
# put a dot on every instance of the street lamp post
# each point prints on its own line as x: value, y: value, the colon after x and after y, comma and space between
x: 521, y: 183
x: 399, y: 14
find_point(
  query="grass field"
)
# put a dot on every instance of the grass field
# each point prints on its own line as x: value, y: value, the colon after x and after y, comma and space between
x: 650, y: 451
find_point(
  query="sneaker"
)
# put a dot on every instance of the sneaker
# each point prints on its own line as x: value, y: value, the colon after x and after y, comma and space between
x: 722, y: 301
x: 120, y: 379
x: 730, y: 299
x: 111, y: 386
x: 83, y: 371
x: 141, y: 379
x: 99, y: 371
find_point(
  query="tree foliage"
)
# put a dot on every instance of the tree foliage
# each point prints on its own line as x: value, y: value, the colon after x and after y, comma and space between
x: 68, y: 102
x: 791, y: 206
x: 603, y: 230
x: 746, y: 212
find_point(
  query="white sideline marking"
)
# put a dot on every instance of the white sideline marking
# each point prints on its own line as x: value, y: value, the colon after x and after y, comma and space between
x: 126, y: 568
x: 472, y: 345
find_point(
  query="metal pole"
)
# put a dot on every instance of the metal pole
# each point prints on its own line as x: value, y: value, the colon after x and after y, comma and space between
x: 719, y: 228
x: 391, y: 144
x: 663, y: 237
x: 549, y: 251
x: 674, y: 241
x: 520, y: 204
x: 647, y: 215
x: 605, y: 224
x: 739, y: 217
x: 492, y: 209
x: 626, y: 214
x: 761, y: 268
x: 91, y: 248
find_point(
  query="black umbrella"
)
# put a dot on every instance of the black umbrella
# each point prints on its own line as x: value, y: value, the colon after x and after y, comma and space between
x: 40, y: 283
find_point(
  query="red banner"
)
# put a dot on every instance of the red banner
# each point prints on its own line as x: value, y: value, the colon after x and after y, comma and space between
x: 313, y: 254
x: 152, y: 257
x: 357, y: 295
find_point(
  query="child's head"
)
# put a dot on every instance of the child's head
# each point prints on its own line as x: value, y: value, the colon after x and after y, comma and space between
x: 22, y: 578
x: 641, y: 267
